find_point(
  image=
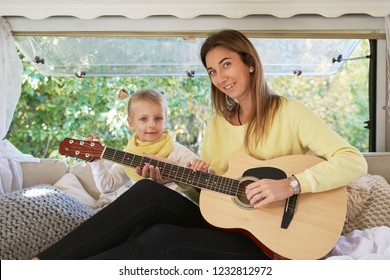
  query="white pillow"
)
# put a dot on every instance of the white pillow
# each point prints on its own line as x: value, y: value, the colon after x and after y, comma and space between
x: 71, y: 185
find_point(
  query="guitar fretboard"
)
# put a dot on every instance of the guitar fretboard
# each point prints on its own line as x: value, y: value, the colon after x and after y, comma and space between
x: 176, y: 173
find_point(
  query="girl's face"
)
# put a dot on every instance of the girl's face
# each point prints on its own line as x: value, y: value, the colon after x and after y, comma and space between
x: 228, y: 73
x: 147, y: 120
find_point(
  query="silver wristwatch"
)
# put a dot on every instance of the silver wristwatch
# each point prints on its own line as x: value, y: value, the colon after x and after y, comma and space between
x: 294, y: 184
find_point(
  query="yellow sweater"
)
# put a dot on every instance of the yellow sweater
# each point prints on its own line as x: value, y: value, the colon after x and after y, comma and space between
x: 296, y: 130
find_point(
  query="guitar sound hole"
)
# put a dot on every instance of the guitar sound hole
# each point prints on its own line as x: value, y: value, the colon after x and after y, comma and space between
x: 241, y: 199
x: 252, y: 175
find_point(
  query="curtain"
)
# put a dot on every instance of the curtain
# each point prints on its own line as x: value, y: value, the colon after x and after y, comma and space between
x: 11, y: 71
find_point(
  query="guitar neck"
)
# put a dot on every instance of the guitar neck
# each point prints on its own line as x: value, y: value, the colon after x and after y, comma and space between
x: 201, y: 180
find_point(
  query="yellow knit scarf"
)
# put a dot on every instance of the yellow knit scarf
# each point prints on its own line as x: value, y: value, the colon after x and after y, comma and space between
x: 162, y: 146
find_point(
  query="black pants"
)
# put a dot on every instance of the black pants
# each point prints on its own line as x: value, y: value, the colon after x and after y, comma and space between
x: 150, y: 221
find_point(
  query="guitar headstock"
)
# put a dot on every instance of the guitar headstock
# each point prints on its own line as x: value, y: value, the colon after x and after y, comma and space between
x: 82, y: 149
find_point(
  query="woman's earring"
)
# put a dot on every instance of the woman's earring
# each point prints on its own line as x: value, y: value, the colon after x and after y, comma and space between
x: 251, y: 69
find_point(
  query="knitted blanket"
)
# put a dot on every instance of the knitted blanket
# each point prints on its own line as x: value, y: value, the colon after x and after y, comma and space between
x: 34, y: 218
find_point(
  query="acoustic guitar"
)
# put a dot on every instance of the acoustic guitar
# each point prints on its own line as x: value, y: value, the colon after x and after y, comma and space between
x: 316, y: 220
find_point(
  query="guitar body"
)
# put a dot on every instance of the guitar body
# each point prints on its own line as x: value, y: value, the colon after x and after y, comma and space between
x: 316, y: 225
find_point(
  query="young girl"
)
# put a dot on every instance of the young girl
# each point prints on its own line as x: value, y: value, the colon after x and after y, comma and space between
x: 147, y: 116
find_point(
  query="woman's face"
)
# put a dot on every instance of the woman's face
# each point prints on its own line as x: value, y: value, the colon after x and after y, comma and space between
x: 229, y: 73
x: 147, y: 120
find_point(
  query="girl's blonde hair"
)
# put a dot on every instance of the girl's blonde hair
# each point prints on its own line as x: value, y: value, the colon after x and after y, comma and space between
x: 147, y: 95
x: 265, y: 102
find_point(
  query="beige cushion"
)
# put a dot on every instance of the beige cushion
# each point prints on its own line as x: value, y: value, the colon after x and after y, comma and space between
x: 379, y: 164
x: 84, y: 173
x: 47, y: 171
x: 368, y: 203
x: 72, y: 186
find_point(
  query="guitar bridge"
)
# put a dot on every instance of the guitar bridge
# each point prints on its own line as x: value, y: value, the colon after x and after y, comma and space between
x: 289, y: 209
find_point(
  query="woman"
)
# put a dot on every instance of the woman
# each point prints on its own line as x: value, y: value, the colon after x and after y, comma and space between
x: 150, y: 222
x: 253, y: 119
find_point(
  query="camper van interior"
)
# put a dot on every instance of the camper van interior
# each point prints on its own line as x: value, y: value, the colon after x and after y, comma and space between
x: 62, y: 64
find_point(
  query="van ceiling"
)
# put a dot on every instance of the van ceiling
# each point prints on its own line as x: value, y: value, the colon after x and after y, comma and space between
x: 138, y: 9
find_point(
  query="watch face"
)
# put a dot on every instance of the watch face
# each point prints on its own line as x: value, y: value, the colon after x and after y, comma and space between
x: 294, y: 185
x: 293, y: 182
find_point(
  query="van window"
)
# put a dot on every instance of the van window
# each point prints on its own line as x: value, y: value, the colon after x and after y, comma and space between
x: 174, y: 56
x: 71, y: 83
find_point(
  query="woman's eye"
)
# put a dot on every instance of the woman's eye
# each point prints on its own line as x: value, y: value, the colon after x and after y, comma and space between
x: 212, y: 72
x: 226, y: 64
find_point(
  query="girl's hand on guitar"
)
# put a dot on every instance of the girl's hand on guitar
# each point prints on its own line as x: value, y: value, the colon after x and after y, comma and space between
x: 198, y: 165
x: 153, y: 172
x: 264, y: 191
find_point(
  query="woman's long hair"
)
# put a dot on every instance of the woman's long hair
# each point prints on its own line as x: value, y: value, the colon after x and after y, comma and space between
x: 266, y: 102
